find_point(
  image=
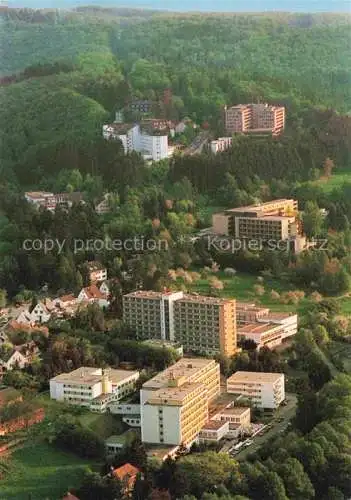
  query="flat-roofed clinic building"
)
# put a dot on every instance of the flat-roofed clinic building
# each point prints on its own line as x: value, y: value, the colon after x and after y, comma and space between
x: 206, y: 324
x: 275, y: 220
x: 238, y: 118
x: 251, y: 314
x: 263, y: 334
x: 266, y: 390
x: 93, y: 387
x: 174, y: 403
x: 254, y: 118
x: 214, y: 431
x: 240, y: 415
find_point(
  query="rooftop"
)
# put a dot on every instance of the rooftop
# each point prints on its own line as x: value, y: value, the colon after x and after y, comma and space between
x: 254, y: 377
x: 174, y: 395
x: 185, y: 367
x: 149, y: 294
x: 257, y: 206
x: 121, y: 439
x: 88, y: 375
x: 214, y: 425
x: 257, y: 328
x: 126, y: 470
x: 202, y: 299
x: 235, y: 410
x: 38, y: 194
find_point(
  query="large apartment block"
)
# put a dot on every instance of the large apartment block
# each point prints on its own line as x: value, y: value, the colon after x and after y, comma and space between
x: 94, y: 388
x: 271, y: 221
x: 174, y: 403
x: 200, y: 324
x: 254, y: 119
x: 266, y: 390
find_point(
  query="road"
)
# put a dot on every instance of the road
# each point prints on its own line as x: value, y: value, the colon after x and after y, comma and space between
x: 197, y: 144
x: 286, y: 413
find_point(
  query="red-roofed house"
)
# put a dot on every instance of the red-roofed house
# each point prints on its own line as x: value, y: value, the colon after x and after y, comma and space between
x: 69, y: 496
x: 127, y: 474
x: 93, y: 294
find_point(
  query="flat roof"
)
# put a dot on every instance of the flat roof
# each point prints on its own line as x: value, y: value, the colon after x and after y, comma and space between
x: 148, y: 294
x: 203, y: 299
x: 185, y: 367
x: 121, y: 438
x: 254, y: 377
x: 234, y: 410
x: 250, y: 306
x: 174, y: 394
x: 88, y: 375
x: 214, y: 425
x: 257, y: 328
x: 257, y: 206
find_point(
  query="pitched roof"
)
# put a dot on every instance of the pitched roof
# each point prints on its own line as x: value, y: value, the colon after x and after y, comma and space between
x: 93, y: 292
x: 69, y: 496
x: 126, y: 470
x: 67, y: 298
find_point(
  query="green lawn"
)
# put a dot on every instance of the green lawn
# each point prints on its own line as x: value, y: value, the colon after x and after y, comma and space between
x: 241, y: 286
x: 345, y: 303
x: 336, y: 181
x: 40, y: 472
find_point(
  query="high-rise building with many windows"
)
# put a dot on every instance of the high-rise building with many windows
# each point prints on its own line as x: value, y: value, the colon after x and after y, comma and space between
x: 201, y: 324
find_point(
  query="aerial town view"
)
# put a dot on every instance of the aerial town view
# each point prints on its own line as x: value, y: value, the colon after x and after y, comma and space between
x: 175, y: 250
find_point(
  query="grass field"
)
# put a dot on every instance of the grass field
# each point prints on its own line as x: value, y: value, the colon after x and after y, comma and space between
x: 345, y: 304
x: 241, y: 286
x: 40, y: 472
x: 340, y: 177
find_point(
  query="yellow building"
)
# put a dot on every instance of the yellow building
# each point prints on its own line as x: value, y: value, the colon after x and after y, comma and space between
x: 206, y: 324
x: 174, y: 403
x: 272, y: 221
x: 201, y: 324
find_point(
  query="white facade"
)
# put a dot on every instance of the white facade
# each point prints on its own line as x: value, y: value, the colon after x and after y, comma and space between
x: 40, y: 314
x: 16, y: 360
x: 289, y: 324
x: 165, y: 419
x: 221, y: 144
x: 93, y: 387
x: 266, y: 390
x: 151, y: 146
x: 214, y: 433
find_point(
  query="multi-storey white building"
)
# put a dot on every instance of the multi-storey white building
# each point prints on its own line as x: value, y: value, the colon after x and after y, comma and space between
x: 152, y: 144
x: 221, y: 144
x: 266, y: 390
x: 174, y: 404
x: 93, y: 387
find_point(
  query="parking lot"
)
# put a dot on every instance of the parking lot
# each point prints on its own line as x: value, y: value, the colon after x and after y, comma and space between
x: 278, y: 424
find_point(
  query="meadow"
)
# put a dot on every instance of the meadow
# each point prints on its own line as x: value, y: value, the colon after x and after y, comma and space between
x: 41, y: 472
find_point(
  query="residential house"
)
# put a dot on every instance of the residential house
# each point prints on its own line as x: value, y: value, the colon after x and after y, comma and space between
x: 127, y: 475
x: 104, y: 206
x: 97, y: 272
x: 41, y: 312
x: 12, y: 360
x: 92, y: 294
